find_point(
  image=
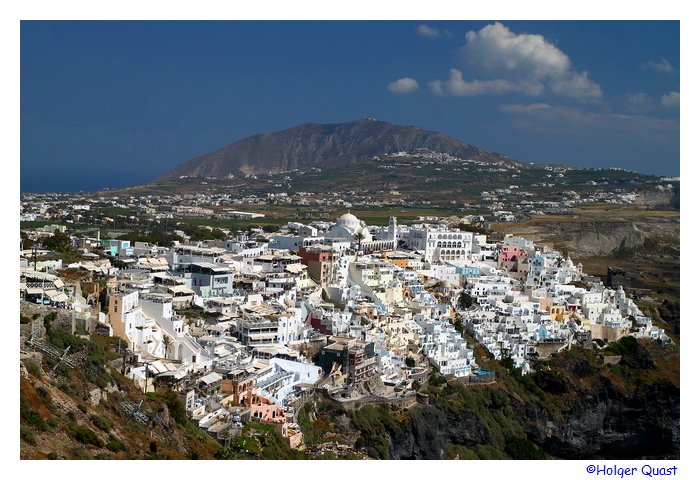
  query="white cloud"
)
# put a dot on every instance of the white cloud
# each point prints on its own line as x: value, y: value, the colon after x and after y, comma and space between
x: 523, y: 108
x: 503, y: 61
x: 426, y: 31
x: 496, y: 50
x: 456, y: 85
x: 576, y: 85
x: 661, y: 66
x: 671, y: 100
x: 639, y: 103
x: 557, y: 119
x: 403, y: 85
x: 436, y: 87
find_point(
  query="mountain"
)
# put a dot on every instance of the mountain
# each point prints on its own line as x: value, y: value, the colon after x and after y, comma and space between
x: 322, y: 145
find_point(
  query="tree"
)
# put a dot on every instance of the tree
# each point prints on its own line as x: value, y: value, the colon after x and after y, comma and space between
x: 358, y: 236
x: 58, y: 242
x: 410, y: 362
x: 27, y: 242
x: 459, y: 326
x: 167, y: 343
x: 465, y: 300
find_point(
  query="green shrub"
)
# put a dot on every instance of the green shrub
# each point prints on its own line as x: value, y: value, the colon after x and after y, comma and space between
x: 27, y: 435
x: 633, y: 354
x: 80, y: 453
x: 103, y: 456
x: 46, y: 397
x: 551, y: 382
x: 176, y: 407
x: 436, y: 380
x: 47, y: 321
x: 52, y: 456
x: 114, y: 445
x: 64, y: 387
x: 101, y: 422
x: 85, y: 435
x: 32, y: 368
x: 29, y: 415
x: 523, y: 449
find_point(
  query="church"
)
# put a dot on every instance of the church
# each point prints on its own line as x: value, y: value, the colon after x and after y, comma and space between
x: 348, y: 227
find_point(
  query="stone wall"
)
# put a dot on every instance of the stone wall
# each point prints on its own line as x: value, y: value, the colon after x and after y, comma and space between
x: 65, y: 318
x: 405, y: 401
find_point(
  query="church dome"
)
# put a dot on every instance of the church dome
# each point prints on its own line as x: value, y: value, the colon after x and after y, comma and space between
x: 349, y: 221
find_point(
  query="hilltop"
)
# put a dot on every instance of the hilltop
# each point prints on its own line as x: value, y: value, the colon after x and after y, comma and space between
x: 323, y: 145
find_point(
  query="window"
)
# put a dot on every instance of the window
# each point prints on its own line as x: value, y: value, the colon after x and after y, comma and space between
x: 194, y: 358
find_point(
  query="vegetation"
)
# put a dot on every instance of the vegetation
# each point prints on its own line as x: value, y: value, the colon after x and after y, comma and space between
x: 260, y: 441
x: 633, y: 354
x: 523, y: 449
x: 32, y: 368
x: 94, y: 353
x: 551, y: 381
x: 507, y: 419
x: 373, y: 423
x: 58, y: 242
x: 324, y: 413
x: 468, y: 227
x: 83, y: 426
x: 154, y: 237
x: 101, y: 422
x: 458, y: 324
x: 465, y: 300
x: 27, y: 435
x: 85, y: 435
x: 30, y: 415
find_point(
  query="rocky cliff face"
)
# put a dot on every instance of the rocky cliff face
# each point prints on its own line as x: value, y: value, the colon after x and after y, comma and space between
x: 601, y: 426
x: 630, y: 411
x: 322, y: 145
x: 431, y: 431
x: 590, y: 237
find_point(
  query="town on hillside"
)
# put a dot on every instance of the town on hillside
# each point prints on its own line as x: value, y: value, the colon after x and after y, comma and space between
x: 248, y: 326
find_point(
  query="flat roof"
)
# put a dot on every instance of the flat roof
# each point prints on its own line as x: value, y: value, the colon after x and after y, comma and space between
x: 212, y: 266
x: 210, y: 378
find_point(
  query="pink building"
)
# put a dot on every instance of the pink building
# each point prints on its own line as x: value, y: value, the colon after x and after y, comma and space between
x: 510, y: 253
x: 263, y: 411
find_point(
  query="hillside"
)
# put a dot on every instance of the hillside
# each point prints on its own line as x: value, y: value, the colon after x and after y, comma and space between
x: 87, y: 412
x: 322, y: 145
x: 81, y: 413
x: 575, y: 407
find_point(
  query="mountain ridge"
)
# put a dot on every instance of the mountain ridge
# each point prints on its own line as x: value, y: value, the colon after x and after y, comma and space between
x: 321, y: 145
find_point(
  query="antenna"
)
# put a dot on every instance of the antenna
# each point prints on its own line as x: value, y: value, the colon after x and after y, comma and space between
x: 134, y: 412
x: 65, y: 352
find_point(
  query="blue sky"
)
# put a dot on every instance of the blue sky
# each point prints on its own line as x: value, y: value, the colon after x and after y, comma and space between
x: 109, y: 103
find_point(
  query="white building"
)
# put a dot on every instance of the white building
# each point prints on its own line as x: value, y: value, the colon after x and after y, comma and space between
x: 440, y: 243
